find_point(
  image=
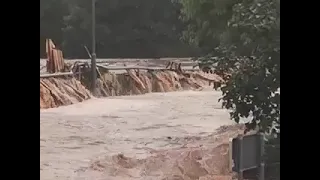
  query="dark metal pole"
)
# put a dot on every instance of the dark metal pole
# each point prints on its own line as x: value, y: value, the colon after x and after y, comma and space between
x: 261, y: 167
x: 231, y: 162
x: 93, y: 55
x: 240, y: 174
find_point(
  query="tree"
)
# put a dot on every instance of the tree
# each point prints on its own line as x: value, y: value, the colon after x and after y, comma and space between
x: 51, y: 21
x: 135, y: 28
x: 241, y: 38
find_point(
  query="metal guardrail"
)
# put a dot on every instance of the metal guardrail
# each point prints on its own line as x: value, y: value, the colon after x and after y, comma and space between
x: 113, y: 68
x: 251, y: 152
x: 56, y: 75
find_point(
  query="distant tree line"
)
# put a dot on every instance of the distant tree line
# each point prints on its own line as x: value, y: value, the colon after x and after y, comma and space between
x: 135, y: 28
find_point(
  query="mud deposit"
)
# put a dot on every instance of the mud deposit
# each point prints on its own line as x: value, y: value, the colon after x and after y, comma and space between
x: 153, y: 136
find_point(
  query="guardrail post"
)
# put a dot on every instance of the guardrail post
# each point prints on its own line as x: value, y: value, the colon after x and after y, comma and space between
x: 240, y: 174
x: 231, y: 162
x: 262, y: 165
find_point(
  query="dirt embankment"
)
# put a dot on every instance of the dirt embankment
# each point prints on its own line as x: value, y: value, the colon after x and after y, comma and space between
x: 55, y: 92
x: 139, y: 82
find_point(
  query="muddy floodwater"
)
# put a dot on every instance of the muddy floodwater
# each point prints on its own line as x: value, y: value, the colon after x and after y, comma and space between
x: 72, y: 137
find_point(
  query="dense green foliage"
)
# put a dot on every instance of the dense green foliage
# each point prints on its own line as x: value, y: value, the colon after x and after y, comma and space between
x: 241, y: 38
x: 135, y: 28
